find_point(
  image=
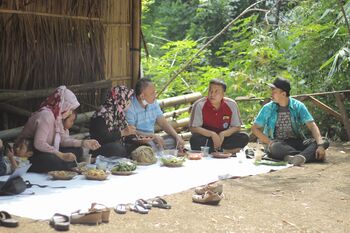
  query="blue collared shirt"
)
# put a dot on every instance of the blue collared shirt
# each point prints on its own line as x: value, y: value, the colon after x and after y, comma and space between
x: 143, y: 119
x: 268, y: 115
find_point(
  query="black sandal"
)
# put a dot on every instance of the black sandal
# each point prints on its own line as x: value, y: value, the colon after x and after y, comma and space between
x: 60, y: 222
x: 6, y: 220
x: 160, y: 203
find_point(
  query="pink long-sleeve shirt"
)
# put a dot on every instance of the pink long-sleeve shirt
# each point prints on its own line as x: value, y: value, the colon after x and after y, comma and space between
x: 41, y: 128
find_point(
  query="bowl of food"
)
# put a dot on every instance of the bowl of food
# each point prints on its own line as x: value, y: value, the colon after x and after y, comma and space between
x: 62, y: 175
x: 124, y: 168
x: 96, y: 174
x: 172, y: 161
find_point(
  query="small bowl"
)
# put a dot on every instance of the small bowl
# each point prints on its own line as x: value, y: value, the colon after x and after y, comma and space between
x: 170, y: 152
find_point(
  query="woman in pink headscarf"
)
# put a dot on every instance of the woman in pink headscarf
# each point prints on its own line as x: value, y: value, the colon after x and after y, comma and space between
x: 53, y: 149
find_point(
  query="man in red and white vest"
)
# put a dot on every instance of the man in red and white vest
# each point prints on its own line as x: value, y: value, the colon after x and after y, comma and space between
x: 216, y: 122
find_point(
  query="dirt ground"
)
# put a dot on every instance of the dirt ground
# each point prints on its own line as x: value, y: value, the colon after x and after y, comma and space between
x: 313, y: 198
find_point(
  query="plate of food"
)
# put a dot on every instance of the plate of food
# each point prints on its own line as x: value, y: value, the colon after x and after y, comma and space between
x: 194, y: 155
x: 62, y: 175
x: 172, y: 161
x: 96, y: 174
x: 124, y: 168
x: 221, y: 155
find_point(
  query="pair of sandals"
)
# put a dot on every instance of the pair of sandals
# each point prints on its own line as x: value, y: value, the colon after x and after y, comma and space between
x: 142, y: 206
x: 6, y: 220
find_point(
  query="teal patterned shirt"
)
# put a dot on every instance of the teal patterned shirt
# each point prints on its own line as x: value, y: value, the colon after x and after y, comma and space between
x: 267, y: 117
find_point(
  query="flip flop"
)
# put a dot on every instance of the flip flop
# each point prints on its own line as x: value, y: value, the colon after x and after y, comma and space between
x: 60, y: 222
x: 120, y: 209
x: 6, y: 220
x: 160, y: 203
x: 144, y: 203
x: 138, y: 209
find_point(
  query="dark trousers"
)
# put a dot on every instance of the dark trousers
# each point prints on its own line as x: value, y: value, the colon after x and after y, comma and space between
x: 2, y: 164
x: 43, y: 162
x: 110, y: 149
x: 236, y: 140
x: 292, y: 146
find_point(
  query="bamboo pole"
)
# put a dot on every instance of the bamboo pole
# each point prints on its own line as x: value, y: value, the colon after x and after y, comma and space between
x: 189, y: 98
x: 174, y: 124
x: 15, y: 110
x: 45, y: 92
x: 176, y: 113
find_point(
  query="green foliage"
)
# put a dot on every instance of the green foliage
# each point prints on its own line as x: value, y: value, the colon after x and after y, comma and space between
x: 310, y: 46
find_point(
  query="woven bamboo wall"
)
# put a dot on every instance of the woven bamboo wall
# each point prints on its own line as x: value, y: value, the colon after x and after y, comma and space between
x: 47, y: 43
x: 120, y: 22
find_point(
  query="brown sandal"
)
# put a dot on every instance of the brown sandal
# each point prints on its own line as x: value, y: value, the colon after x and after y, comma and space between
x: 104, y: 209
x: 90, y: 218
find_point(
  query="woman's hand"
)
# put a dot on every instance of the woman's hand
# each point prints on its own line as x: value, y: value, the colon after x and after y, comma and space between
x: 129, y: 130
x: 91, y: 144
x: 69, y: 157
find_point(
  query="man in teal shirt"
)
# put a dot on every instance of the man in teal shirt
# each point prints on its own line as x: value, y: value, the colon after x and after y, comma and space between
x: 279, y: 125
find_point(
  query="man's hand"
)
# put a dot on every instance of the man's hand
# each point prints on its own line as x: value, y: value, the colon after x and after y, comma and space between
x: 180, y: 143
x: 129, y: 130
x: 159, y: 141
x: 216, y: 140
x: 320, y: 153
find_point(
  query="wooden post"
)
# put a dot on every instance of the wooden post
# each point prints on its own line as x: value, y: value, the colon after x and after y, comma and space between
x: 343, y: 113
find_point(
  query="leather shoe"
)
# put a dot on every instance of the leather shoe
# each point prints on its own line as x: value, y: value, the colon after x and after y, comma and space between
x: 208, y: 198
x: 215, y: 187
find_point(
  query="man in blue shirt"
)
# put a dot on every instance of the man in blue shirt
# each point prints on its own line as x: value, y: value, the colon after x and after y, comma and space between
x: 279, y: 125
x: 145, y: 111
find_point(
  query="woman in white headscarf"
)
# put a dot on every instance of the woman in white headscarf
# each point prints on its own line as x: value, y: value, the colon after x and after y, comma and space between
x: 53, y: 149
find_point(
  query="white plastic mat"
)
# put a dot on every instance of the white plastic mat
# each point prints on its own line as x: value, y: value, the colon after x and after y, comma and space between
x: 148, y: 182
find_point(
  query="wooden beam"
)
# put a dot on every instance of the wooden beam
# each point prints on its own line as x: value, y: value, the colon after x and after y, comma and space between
x: 19, y: 95
x: 326, y: 108
x: 321, y: 93
x: 343, y: 113
x: 19, y: 12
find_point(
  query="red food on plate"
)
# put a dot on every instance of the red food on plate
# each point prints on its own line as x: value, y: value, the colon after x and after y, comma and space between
x: 194, y: 155
x: 221, y: 154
